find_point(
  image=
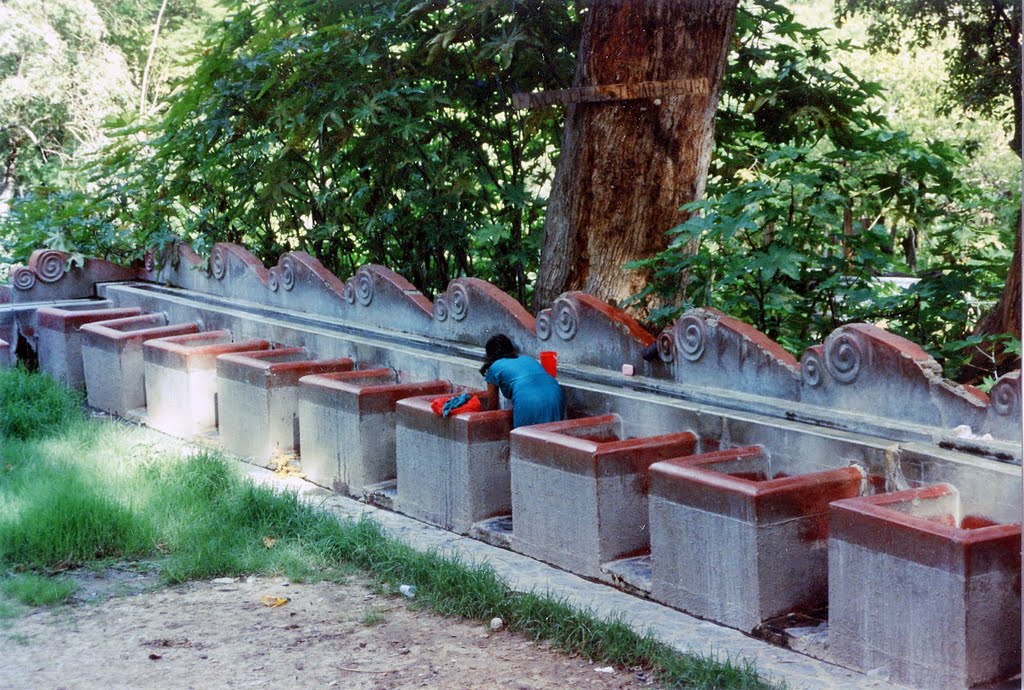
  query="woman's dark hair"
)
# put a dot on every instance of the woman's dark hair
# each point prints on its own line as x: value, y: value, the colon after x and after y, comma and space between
x: 497, y: 347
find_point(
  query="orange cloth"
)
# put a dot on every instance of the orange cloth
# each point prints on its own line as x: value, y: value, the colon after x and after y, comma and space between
x: 437, y: 405
x: 472, y: 406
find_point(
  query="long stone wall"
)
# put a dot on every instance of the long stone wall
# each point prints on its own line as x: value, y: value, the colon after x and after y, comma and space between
x: 863, y: 398
x: 860, y: 377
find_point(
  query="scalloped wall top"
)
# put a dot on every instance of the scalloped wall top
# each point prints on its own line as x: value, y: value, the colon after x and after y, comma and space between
x: 859, y: 368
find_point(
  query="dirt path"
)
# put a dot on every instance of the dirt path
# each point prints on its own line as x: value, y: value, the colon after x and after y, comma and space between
x: 222, y: 635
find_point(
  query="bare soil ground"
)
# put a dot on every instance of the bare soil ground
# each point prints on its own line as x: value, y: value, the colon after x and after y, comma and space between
x: 222, y: 634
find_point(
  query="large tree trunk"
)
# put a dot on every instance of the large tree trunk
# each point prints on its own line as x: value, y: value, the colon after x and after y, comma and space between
x: 627, y: 166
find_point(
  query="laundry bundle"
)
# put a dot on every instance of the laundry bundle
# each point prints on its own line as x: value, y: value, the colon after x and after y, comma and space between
x: 446, y: 406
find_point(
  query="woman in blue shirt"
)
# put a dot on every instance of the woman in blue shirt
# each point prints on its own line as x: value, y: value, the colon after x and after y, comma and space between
x: 535, y: 394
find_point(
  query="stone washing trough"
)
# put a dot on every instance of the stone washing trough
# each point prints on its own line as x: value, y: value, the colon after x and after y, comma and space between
x: 112, y: 359
x: 348, y: 426
x: 181, y: 379
x: 739, y: 537
x: 923, y: 590
x: 452, y: 471
x: 579, y: 490
x: 258, y: 399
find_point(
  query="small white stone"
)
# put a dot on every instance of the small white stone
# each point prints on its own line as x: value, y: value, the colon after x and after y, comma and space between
x: 963, y: 431
x: 604, y: 669
x: 497, y: 624
x: 224, y: 580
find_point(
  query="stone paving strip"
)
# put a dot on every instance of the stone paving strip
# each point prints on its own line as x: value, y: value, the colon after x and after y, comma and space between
x: 681, y: 632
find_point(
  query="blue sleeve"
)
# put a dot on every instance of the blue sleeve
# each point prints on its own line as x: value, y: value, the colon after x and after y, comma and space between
x: 492, y: 377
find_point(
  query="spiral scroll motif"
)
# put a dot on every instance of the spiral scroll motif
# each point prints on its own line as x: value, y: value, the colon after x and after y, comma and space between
x: 459, y: 302
x: 691, y: 337
x: 544, y: 325
x: 50, y: 266
x: 273, y: 281
x: 287, y: 271
x: 364, y: 287
x: 843, y: 355
x: 23, y: 278
x: 440, y: 309
x: 666, y: 346
x: 218, y: 262
x: 811, y: 367
x: 1005, y: 397
x: 565, y: 318
x: 348, y: 293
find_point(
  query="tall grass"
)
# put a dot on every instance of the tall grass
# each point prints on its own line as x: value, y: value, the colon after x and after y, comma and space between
x: 34, y: 405
x: 74, y: 491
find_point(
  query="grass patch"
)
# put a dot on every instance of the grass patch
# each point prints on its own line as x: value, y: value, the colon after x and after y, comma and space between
x: 37, y: 590
x: 34, y: 405
x: 73, y: 491
x: 8, y: 610
x: 373, y: 618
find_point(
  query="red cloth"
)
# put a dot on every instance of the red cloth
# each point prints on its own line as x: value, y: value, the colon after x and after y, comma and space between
x: 472, y: 406
x: 437, y: 405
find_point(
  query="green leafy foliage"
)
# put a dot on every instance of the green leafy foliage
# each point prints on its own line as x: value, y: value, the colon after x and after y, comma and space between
x: 58, y: 81
x: 984, y: 61
x: 813, y: 202
x: 377, y: 131
x: 382, y: 131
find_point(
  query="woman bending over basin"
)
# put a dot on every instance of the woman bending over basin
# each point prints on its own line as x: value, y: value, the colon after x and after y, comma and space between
x: 536, y: 396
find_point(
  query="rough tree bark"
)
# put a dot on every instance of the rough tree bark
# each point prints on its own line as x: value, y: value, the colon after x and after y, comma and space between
x: 626, y: 167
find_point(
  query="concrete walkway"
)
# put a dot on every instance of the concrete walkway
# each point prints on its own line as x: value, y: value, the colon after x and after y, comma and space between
x: 682, y: 632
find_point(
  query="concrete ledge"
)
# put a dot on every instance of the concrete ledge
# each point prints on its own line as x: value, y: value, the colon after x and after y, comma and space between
x: 112, y: 359
x: 258, y: 401
x: 923, y: 590
x: 348, y: 426
x: 181, y: 379
x: 579, y: 490
x: 736, y: 539
x: 59, y: 344
x: 452, y: 472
